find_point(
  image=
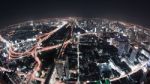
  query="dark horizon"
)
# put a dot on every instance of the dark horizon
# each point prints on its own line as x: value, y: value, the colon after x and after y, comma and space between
x: 13, y: 12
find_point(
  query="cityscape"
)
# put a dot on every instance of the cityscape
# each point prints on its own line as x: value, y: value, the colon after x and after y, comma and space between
x: 74, y: 50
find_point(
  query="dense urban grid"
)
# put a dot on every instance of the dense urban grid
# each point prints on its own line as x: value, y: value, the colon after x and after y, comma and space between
x: 74, y: 51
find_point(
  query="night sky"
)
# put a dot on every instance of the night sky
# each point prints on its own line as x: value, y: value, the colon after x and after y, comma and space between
x: 134, y: 11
